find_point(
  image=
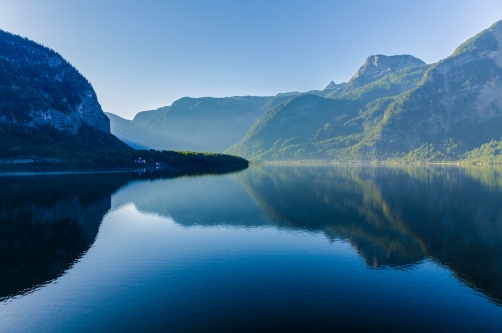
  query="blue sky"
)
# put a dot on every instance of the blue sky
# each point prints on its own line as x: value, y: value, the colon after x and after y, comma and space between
x: 141, y: 55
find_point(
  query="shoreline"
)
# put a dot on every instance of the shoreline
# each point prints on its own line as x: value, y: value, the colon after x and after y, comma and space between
x: 50, y: 170
x: 378, y: 163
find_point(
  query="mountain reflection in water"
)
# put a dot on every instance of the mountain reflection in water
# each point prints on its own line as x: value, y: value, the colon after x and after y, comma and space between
x: 393, y: 217
x: 48, y: 221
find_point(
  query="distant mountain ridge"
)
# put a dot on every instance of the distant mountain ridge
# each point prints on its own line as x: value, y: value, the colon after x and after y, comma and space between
x: 181, y: 126
x: 198, y: 124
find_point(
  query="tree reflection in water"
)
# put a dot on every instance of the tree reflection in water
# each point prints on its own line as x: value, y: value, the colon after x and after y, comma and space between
x: 47, y: 222
x: 393, y: 216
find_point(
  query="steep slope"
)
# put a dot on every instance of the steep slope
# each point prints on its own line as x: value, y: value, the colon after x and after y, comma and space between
x: 311, y: 127
x: 202, y: 124
x: 49, y: 114
x: 39, y: 87
x: 456, y: 107
x: 47, y: 108
x: 401, y: 110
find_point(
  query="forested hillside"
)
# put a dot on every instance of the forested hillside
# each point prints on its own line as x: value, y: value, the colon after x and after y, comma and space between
x: 395, y: 108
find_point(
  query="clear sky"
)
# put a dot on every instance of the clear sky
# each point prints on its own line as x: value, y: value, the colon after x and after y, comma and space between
x: 144, y: 54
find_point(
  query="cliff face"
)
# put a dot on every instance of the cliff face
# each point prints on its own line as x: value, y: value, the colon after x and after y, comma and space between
x: 39, y: 87
x: 377, y: 66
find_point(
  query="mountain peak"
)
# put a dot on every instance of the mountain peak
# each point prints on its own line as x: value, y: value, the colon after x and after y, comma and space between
x: 379, y: 65
x: 331, y: 85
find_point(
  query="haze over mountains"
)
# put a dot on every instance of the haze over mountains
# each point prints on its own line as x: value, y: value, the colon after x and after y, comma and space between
x: 199, y: 124
x: 394, y: 107
x: 50, y: 114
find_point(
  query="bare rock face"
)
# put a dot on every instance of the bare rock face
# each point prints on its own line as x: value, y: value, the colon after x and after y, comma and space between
x: 39, y: 87
x: 376, y: 66
x: 88, y: 112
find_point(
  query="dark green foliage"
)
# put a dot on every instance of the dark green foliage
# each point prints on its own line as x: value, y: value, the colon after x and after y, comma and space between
x: 189, y: 159
x: 484, y: 40
x: 94, y: 148
x: 33, y: 77
x: 89, y: 147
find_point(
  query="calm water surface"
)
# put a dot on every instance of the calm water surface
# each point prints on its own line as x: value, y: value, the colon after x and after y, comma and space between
x: 271, y: 248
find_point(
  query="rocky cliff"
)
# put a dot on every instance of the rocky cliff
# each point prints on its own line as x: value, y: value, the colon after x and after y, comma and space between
x: 39, y: 87
x: 377, y: 66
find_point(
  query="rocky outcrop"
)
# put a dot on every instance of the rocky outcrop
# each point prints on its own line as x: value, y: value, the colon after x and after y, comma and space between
x: 39, y: 87
x: 377, y: 66
x: 332, y: 85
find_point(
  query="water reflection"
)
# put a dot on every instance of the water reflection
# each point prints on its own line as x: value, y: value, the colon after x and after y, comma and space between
x: 393, y: 217
x: 47, y: 222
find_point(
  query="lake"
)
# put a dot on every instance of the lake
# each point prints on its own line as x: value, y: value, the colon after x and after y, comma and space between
x: 270, y: 248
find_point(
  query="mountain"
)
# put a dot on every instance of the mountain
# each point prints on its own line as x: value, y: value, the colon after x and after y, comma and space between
x: 123, y: 129
x: 47, y: 108
x: 377, y: 66
x: 39, y: 87
x: 201, y: 124
x: 49, y: 113
x: 309, y: 126
x: 456, y: 108
x: 395, y: 108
